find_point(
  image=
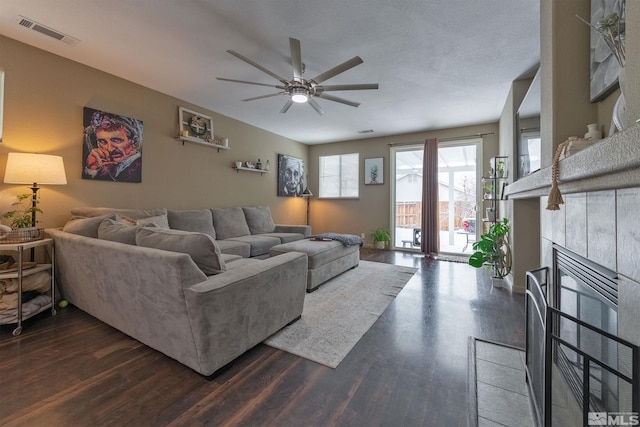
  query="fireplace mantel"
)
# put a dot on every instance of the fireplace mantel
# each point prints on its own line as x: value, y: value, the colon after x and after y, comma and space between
x: 611, y: 163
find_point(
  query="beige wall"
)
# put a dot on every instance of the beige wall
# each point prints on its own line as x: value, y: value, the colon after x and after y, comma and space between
x: 564, y: 44
x: 372, y: 208
x: 524, y: 254
x: 566, y: 109
x: 44, y: 99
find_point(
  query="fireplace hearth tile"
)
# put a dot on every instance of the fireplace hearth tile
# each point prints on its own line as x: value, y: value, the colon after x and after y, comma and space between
x: 628, y: 202
x: 576, y: 223
x: 601, y: 225
x: 628, y: 309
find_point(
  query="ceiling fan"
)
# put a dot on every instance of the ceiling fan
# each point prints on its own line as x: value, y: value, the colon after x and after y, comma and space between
x: 301, y: 90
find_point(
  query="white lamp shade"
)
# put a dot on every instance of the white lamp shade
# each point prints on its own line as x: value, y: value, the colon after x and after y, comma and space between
x: 27, y: 168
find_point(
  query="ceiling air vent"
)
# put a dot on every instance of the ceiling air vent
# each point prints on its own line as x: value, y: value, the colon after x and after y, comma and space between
x: 42, y: 29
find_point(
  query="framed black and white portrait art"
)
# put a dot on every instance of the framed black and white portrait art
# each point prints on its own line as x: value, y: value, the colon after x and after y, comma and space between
x: 290, y: 176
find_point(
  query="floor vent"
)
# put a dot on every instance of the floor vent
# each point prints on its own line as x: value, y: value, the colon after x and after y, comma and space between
x: 42, y: 29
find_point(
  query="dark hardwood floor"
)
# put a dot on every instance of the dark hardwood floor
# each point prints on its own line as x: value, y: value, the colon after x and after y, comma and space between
x: 410, y: 369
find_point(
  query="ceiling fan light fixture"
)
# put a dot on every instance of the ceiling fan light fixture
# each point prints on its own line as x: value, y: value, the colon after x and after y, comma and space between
x: 299, y: 95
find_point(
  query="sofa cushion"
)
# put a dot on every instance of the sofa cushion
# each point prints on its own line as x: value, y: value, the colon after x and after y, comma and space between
x: 259, y: 219
x: 201, y: 247
x: 285, y: 237
x: 198, y: 220
x: 158, y: 221
x: 259, y: 244
x: 230, y: 222
x: 228, y: 259
x: 134, y: 214
x: 234, y: 248
x: 117, y: 231
x: 87, y: 227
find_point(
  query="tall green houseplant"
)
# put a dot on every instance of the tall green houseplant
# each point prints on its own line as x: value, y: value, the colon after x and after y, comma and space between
x: 493, y: 250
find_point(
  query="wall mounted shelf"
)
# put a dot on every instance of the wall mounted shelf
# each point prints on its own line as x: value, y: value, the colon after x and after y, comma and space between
x: 261, y: 171
x: 494, y: 186
x: 201, y: 142
x: 198, y: 128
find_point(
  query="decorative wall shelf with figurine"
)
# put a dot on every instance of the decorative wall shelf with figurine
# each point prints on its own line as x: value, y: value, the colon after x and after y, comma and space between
x: 198, y: 129
x: 242, y: 168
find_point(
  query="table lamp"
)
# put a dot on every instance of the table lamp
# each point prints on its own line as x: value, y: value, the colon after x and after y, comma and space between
x: 28, y: 168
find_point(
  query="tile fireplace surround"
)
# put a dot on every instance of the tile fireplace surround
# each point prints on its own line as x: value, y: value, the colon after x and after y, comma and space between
x: 600, y: 217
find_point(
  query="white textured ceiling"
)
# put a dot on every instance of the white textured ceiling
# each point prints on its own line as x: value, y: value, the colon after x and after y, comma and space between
x: 439, y: 63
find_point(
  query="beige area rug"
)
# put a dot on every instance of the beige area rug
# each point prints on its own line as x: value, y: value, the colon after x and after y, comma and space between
x: 341, y: 311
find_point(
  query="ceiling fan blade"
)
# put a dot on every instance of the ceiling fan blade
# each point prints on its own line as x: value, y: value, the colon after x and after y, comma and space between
x: 258, y: 66
x: 336, y: 99
x: 264, y: 96
x: 286, y: 106
x: 356, y: 60
x: 296, y: 58
x: 249, y: 83
x: 315, y: 106
x: 363, y: 86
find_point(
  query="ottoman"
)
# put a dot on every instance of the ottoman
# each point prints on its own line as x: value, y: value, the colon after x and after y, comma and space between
x: 327, y: 259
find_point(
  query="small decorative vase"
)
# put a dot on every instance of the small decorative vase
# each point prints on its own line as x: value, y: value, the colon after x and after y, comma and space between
x: 593, y: 132
x: 258, y: 164
x: 491, y: 214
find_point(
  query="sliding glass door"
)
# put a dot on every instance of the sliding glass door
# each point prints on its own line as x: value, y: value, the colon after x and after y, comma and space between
x: 407, y: 195
x: 458, y: 184
x: 458, y: 181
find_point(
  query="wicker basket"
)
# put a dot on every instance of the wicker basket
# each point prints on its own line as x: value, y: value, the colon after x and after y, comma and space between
x: 21, y: 235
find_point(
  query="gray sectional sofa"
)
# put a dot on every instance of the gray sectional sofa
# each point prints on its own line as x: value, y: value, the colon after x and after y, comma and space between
x: 188, y: 283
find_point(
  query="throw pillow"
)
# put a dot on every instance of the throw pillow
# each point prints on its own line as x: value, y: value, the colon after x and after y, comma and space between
x: 229, y: 223
x: 158, y: 221
x: 202, y: 248
x: 116, y: 231
x: 259, y: 219
x: 198, y: 220
x: 87, y: 227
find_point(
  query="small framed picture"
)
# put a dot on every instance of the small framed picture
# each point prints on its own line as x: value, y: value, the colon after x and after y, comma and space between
x: 374, y: 171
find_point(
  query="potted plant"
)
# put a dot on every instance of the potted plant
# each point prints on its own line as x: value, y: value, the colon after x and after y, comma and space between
x: 488, y: 190
x: 20, y: 215
x: 493, y: 251
x: 381, y: 237
x: 23, y: 211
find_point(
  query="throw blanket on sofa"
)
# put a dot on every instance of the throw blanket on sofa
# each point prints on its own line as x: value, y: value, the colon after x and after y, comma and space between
x: 345, y: 239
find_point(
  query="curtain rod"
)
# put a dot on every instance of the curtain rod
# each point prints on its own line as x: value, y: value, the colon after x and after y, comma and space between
x: 455, y: 138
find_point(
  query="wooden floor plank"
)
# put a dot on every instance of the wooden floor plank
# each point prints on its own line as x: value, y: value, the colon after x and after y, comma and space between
x: 409, y: 369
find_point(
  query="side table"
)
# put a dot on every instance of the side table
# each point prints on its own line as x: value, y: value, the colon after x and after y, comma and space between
x: 23, y: 272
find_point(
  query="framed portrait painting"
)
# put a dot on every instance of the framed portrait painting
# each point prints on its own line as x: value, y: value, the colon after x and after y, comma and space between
x: 374, y: 171
x: 604, y: 66
x: 290, y: 176
x: 112, y: 147
x: 1, y: 99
